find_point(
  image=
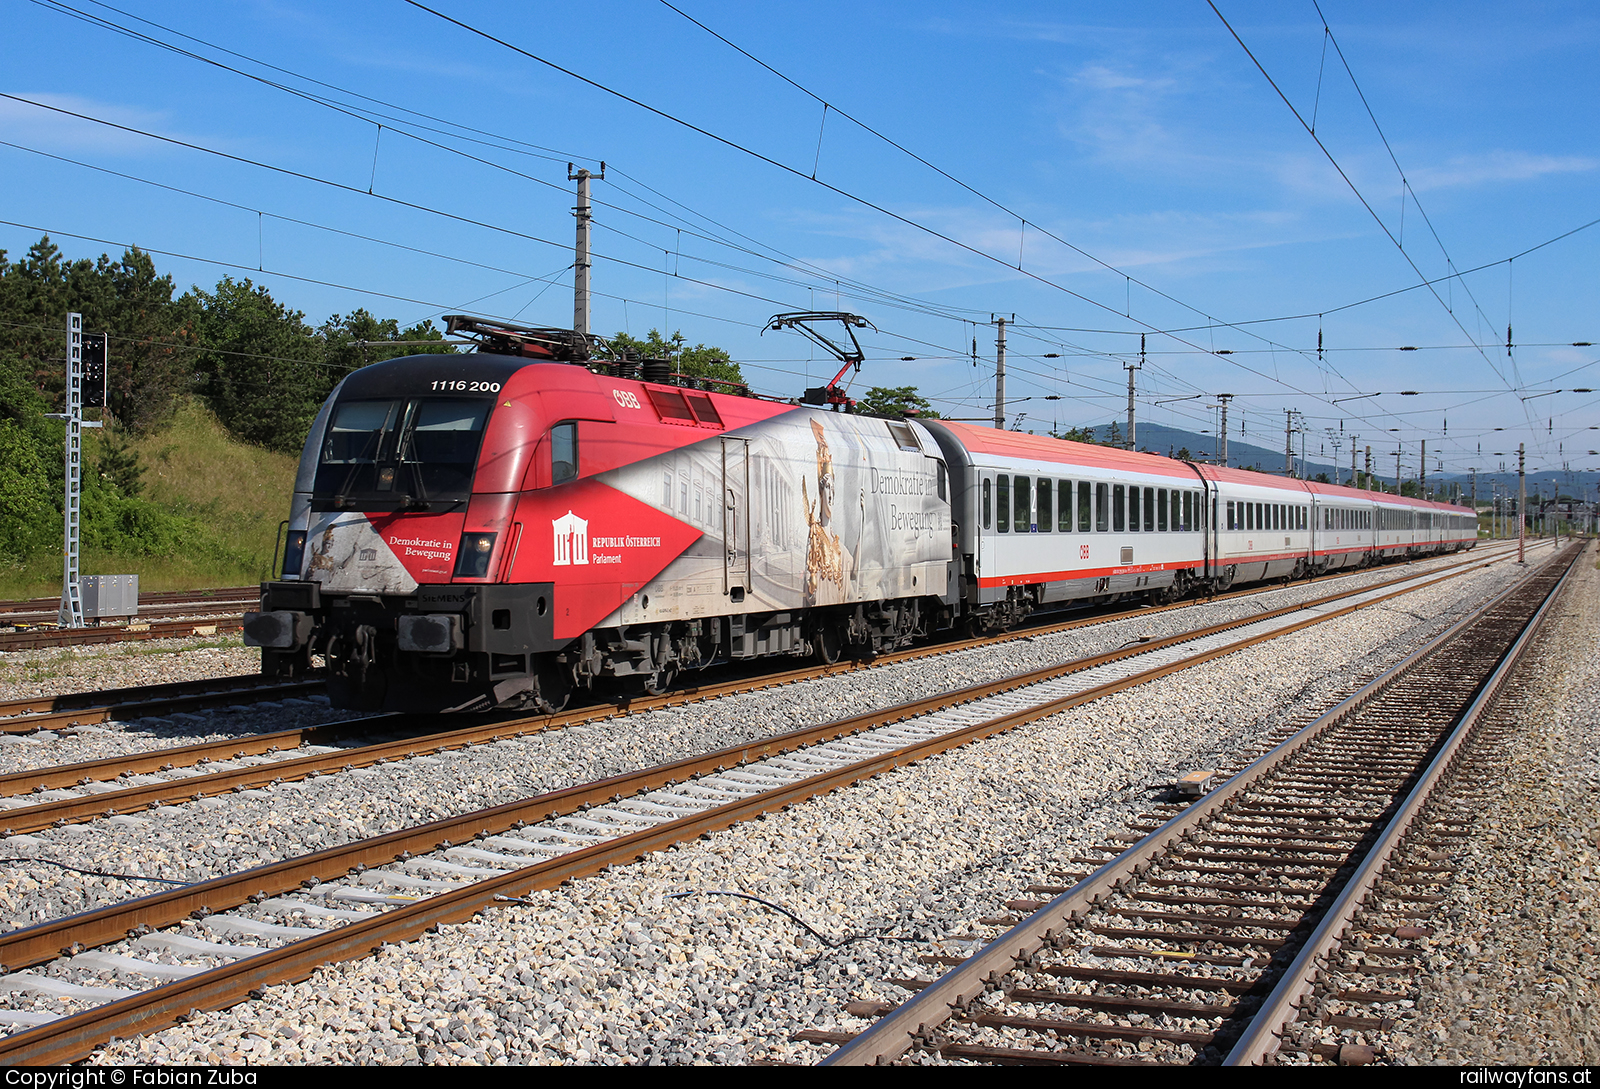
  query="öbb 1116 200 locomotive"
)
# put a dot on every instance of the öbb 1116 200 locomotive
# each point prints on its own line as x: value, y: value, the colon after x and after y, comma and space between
x: 504, y: 527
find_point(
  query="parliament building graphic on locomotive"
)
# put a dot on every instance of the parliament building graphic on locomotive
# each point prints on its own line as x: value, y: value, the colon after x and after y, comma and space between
x: 689, y: 526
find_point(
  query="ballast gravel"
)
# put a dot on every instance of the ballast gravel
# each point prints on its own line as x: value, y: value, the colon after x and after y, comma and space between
x: 55, y: 671
x: 222, y: 835
x: 1514, y: 962
x: 623, y: 968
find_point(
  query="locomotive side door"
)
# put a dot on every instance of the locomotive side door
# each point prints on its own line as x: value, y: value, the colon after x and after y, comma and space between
x: 735, y: 517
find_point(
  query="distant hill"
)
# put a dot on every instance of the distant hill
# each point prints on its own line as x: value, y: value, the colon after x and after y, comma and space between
x: 1167, y: 441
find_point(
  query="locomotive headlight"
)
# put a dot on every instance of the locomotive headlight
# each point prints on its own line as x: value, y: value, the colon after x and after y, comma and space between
x: 472, y: 558
x: 294, y: 553
x: 385, y: 479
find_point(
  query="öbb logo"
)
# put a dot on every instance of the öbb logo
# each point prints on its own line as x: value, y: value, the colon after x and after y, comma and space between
x: 571, y: 540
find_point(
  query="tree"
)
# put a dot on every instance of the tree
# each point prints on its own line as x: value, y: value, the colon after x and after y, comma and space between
x: 1074, y: 434
x: 29, y: 521
x: 895, y: 401
x: 701, y: 361
x: 354, y: 340
x: 148, y: 364
x: 1322, y: 478
x: 150, y: 360
x: 1183, y: 453
x: 1114, y: 436
x: 260, y: 369
x: 118, y: 463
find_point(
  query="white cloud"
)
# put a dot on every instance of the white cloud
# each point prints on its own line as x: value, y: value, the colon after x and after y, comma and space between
x: 53, y: 130
x: 1101, y: 78
x: 1496, y: 166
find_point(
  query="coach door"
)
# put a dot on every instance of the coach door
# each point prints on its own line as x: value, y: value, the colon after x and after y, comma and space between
x: 735, y: 517
x: 984, y: 537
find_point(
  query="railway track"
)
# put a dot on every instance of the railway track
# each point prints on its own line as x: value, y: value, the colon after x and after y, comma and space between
x: 47, y: 606
x: 34, y: 639
x: 94, y: 707
x: 1368, y: 987
x: 344, y: 902
x: 164, y: 615
x: 32, y: 714
x: 116, y: 786
x: 1201, y: 941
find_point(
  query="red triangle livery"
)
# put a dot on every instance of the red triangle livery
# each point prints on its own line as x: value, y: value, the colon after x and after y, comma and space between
x: 598, y: 545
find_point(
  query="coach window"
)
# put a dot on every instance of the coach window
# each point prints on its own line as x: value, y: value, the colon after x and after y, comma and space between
x: 1119, y: 508
x: 1161, y: 510
x: 1149, y: 510
x: 1177, y: 511
x: 1230, y: 514
x: 1024, y: 498
x: 1046, y: 514
x: 1188, y: 512
x: 1064, y: 506
x: 1133, y: 510
x: 563, y: 452
x: 1002, y: 494
x: 1102, y: 507
x: 986, y: 498
x: 1085, y: 507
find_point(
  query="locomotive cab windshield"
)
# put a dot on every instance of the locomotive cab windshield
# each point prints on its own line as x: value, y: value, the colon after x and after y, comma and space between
x: 400, y: 454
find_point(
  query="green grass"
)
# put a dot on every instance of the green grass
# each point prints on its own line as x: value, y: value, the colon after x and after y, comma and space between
x: 194, y: 468
x: 240, y: 491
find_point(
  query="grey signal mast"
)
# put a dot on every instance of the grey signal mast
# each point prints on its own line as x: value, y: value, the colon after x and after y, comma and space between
x: 86, y: 387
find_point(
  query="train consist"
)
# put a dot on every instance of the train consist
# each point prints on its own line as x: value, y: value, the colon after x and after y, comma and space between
x: 505, y: 527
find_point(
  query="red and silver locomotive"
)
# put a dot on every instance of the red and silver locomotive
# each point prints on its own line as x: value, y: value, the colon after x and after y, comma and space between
x: 502, y: 528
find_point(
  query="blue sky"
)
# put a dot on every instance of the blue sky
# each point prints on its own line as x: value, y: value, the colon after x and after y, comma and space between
x: 1138, y: 166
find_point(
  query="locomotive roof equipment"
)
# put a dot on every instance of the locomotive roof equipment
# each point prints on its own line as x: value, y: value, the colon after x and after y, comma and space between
x: 803, y: 321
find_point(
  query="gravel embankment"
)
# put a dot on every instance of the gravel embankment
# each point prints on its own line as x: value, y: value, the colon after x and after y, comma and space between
x: 616, y: 969
x: 1514, y: 968
x: 55, y: 671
